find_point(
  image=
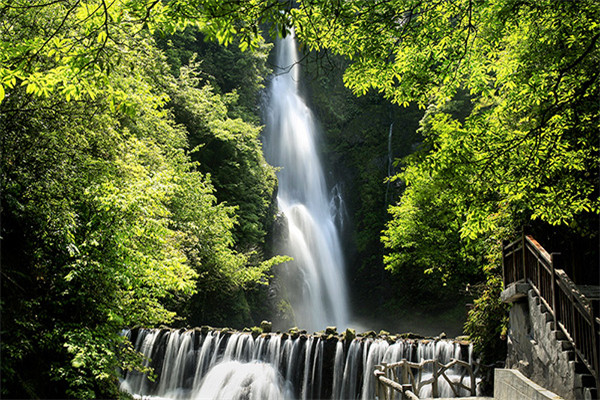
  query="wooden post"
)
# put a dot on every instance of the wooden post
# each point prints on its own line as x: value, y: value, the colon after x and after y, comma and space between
x: 504, y: 243
x: 473, y: 382
x: 514, y: 264
x: 554, y: 261
x: 405, y: 388
x: 434, y: 384
x: 523, y: 257
x: 384, y: 370
x: 573, y: 320
x: 596, y: 361
x: 377, y: 382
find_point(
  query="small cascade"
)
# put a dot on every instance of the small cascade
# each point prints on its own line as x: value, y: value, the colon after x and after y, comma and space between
x: 208, y: 364
x: 390, y: 162
x: 337, y: 207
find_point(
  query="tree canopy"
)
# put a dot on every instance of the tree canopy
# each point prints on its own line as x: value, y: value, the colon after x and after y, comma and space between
x: 107, y: 220
x: 132, y: 185
x: 523, y: 147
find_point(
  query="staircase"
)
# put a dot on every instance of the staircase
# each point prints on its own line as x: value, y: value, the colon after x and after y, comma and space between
x: 584, y: 384
x: 553, y: 337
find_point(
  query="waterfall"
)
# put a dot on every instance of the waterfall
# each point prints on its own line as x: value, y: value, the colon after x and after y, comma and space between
x: 314, y: 283
x: 390, y: 162
x: 194, y: 364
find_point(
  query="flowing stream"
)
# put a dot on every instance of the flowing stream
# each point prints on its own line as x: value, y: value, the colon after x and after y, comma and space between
x: 195, y: 364
x: 314, y: 283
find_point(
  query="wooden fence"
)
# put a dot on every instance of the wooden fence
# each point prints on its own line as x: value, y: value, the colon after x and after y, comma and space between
x: 411, y: 375
x: 526, y: 260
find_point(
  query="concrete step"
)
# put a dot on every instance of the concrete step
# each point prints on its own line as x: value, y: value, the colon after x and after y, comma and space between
x: 462, y: 398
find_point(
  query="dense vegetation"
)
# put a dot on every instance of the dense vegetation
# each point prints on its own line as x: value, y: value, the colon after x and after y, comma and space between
x: 524, y: 152
x: 130, y: 191
x: 134, y: 191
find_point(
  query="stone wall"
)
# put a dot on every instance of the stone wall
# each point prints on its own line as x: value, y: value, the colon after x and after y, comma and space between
x: 510, y: 384
x: 537, y: 350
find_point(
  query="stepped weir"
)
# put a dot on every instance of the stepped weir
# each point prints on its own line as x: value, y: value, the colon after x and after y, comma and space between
x: 219, y: 364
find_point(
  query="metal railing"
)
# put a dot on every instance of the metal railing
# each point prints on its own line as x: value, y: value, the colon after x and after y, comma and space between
x: 411, y: 375
x: 526, y: 260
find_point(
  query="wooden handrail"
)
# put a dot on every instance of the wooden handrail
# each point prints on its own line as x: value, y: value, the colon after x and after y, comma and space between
x: 526, y: 260
x: 539, y: 249
x: 411, y: 383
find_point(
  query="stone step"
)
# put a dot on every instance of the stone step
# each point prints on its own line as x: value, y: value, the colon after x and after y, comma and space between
x: 584, y: 381
x: 578, y: 367
x: 565, y: 345
x: 559, y: 335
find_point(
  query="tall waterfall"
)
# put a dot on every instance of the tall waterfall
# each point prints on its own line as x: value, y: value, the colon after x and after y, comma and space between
x: 314, y: 283
x: 195, y: 364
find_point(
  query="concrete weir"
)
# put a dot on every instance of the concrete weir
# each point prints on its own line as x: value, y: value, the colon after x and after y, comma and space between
x: 292, y: 365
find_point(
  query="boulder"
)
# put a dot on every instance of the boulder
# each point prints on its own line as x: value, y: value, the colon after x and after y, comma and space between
x: 266, y: 326
x: 349, y: 335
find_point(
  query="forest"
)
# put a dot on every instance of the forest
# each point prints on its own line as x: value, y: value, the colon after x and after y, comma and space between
x: 134, y: 191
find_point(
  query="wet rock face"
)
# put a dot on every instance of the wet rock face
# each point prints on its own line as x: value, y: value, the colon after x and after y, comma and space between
x: 536, y: 350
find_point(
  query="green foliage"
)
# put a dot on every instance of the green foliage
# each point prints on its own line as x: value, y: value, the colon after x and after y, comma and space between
x: 108, y: 221
x: 229, y: 70
x: 488, y: 322
x: 75, y: 49
x: 230, y: 151
x: 527, y: 149
x: 531, y: 137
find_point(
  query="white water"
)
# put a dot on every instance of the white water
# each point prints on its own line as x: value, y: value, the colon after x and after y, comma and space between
x: 214, y: 365
x: 315, y: 283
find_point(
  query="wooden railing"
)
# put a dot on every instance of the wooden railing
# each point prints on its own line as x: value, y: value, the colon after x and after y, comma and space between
x: 526, y: 260
x: 410, y: 374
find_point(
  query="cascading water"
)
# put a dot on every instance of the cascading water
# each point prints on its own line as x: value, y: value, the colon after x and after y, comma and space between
x: 209, y: 364
x: 315, y: 283
x: 197, y: 364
